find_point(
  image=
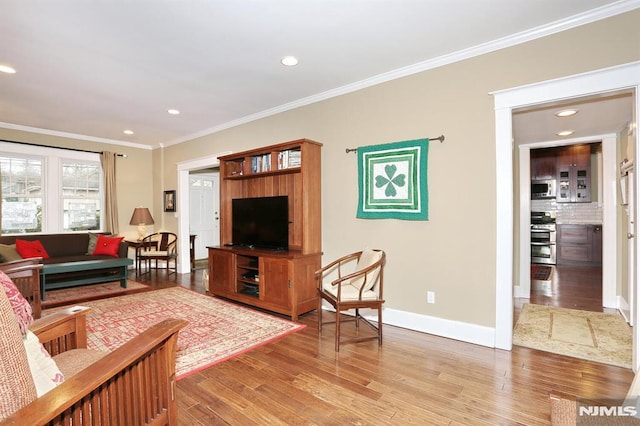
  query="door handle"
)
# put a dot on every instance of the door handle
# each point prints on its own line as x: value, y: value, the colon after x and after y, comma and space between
x: 630, y: 235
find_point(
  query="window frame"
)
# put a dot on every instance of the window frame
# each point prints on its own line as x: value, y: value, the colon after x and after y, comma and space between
x: 52, y: 192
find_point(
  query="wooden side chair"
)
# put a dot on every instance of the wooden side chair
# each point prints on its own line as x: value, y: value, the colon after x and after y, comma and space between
x: 160, y: 246
x: 361, y: 289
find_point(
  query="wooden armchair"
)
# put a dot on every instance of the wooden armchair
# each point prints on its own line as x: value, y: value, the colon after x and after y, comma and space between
x: 133, y: 385
x: 25, y: 274
x: 160, y: 246
x: 361, y: 289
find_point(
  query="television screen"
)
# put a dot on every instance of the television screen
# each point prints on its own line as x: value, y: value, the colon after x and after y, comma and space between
x: 261, y: 222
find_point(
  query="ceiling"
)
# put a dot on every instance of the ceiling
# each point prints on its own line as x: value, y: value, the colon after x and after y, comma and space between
x: 90, y: 70
x: 600, y: 114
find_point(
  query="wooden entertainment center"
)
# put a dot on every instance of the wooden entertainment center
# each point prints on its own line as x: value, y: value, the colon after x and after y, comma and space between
x: 279, y: 281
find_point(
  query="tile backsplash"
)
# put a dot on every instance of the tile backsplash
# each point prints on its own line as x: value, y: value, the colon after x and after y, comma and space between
x: 570, y: 212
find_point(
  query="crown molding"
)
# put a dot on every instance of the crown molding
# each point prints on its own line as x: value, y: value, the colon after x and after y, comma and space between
x: 72, y: 135
x: 574, y: 21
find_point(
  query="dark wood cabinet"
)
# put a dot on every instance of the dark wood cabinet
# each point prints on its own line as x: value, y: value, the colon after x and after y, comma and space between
x: 543, y: 163
x: 579, y: 244
x: 574, y: 174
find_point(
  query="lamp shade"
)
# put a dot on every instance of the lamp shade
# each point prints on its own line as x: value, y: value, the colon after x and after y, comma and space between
x: 141, y: 216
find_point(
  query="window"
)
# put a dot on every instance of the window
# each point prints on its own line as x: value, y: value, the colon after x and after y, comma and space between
x: 21, y: 194
x: 47, y: 190
x: 80, y: 196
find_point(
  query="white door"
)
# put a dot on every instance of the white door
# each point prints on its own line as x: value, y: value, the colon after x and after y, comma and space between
x: 204, y: 209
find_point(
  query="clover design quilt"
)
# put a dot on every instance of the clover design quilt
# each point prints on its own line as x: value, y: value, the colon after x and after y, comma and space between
x: 392, y: 181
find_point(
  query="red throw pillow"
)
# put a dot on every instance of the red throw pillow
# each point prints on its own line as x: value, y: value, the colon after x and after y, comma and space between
x: 108, y: 246
x: 28, y: 249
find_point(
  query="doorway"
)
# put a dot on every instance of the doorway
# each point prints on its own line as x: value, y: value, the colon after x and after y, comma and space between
x: 204, y: 210
x: 604, y: 208
x: 625, y: 76
x: 184, y: 169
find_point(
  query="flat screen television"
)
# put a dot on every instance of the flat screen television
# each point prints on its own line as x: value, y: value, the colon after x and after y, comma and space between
x: 261, y: 222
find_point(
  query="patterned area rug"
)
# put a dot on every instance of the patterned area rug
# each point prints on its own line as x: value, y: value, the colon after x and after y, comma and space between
x: 72, y: 295
x: 217, y: 330
x: 594, y: 336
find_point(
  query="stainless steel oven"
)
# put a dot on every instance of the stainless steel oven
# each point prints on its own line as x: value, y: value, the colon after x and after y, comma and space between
x: 543, y: 238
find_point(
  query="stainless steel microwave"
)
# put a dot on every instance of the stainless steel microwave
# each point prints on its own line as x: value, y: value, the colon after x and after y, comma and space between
x: 541, y: 189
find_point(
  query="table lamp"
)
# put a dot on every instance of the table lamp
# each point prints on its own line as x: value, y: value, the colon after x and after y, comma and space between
x: 142, y: 218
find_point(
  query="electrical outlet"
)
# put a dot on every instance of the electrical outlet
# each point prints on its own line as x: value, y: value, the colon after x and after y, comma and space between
x: 431, y: 297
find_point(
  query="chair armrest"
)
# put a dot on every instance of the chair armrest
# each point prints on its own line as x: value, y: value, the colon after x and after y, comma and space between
x: 357, y: 274
x: 20, y: 262
x: 25, y: 274
x: 63, y: 330
x: 138, y: 377
x: 343, y: 259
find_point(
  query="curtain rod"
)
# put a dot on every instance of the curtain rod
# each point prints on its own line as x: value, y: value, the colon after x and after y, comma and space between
x: 439, y: 138
x: 58, y: 147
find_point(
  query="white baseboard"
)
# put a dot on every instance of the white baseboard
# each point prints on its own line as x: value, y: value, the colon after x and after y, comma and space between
x: 518, y: 291
x: 465, y: 332
x: 470, y: 333
x: 624, y: 309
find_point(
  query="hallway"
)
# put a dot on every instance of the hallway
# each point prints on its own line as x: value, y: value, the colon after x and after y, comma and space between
x: 568, y: 286
x: 572, y: 287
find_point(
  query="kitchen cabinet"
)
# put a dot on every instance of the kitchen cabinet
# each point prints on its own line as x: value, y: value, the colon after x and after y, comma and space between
x: 579, y: 244
x: 543, y: 163
x: 574, y: 174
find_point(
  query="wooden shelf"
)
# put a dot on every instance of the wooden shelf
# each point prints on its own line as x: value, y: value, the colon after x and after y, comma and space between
x: 286, y: 282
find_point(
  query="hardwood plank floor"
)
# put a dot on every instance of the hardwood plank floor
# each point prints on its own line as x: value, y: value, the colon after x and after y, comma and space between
x: 413, y: 378
x: 572, y: 287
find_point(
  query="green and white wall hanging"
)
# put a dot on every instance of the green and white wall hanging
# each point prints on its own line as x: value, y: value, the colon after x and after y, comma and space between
x: 392, y: 180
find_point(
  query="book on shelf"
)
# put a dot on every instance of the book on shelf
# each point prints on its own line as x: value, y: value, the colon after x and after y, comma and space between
x: 289, y: 158
x: 294, y: 158
x: 261, y: 163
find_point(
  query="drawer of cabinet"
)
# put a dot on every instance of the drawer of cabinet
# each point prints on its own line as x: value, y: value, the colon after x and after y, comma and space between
x: 577, y: 234
x: 574, y: 253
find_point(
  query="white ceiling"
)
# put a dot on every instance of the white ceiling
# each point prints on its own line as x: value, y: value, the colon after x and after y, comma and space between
x: 597, y: 115
x: 91, y: 69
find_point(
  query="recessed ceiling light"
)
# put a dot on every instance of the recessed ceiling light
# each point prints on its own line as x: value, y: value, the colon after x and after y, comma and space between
x: 289, y: 61
x: 565, y: 133
x: 173, y: 111
x: 7, y: 69
x: 128, y: 132
x: 566, y: 113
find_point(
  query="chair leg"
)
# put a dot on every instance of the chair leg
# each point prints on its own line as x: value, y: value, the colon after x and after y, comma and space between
x: 319, y: 314
x: 379, y: 325
x: 337, y: 329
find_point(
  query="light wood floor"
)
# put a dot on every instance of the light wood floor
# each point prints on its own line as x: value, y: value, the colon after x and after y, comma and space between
x: 413, y: 379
